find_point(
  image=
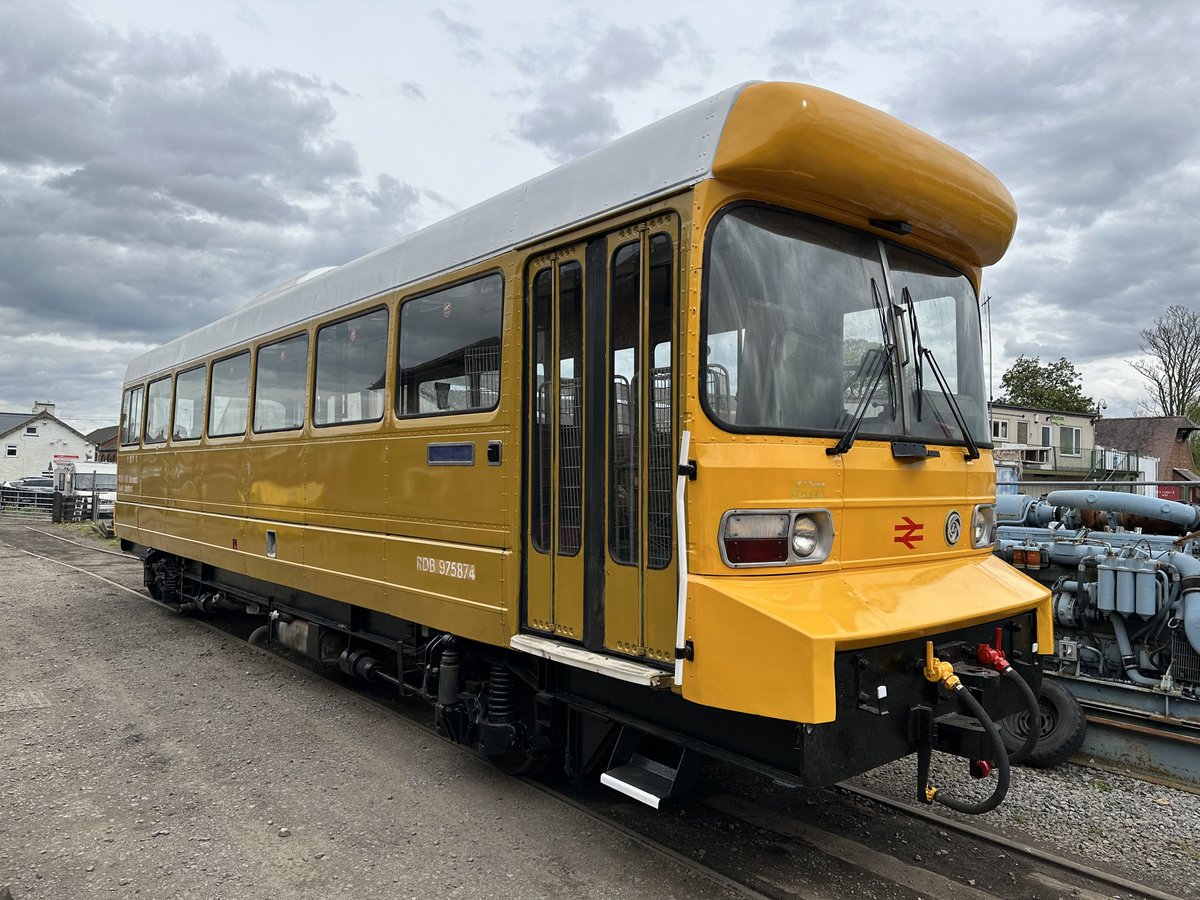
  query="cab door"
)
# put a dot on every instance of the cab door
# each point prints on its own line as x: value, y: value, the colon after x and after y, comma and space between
x: 641, y: 436
x: 554, y: 461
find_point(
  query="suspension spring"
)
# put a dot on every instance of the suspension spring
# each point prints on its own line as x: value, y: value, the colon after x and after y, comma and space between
x: 502, y: 696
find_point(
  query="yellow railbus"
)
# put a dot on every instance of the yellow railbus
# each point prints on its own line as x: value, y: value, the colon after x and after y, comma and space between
x: 679, y: 450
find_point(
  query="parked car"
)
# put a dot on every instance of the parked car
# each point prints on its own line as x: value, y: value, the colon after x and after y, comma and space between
x: 34, y: 484
x: 32, y: 490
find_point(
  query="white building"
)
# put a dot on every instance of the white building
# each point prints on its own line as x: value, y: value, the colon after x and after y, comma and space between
x: 34, y: 442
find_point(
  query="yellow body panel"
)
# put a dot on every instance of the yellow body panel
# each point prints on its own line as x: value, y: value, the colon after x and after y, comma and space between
x: 765, y: 644
x: 867, y: 163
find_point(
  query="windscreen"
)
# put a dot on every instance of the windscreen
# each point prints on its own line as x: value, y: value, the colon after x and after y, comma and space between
x: 810, y: 325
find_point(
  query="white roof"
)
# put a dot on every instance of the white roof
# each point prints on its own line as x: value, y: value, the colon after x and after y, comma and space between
x: 655, y: 161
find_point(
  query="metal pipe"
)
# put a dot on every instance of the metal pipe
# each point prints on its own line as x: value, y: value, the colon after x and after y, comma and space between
x: 1183, y: 514
x: 1128, y: 660
x: 1075, y: 482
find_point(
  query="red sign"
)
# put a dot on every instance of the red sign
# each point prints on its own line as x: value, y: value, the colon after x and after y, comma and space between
x: 908, y: 532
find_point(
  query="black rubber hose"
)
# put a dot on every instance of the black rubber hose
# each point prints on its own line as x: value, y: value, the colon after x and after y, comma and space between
x: 1035, y: 717
x: 1001, y: 791
x: 259, y: 634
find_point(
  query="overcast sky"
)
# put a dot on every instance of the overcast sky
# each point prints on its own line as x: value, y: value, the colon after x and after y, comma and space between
x: 161, y: 163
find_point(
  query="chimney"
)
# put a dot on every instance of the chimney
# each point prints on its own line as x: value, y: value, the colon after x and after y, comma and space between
x: 43, y: 406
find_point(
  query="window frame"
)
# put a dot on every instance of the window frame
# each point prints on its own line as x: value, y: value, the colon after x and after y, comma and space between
x: 123, y: 430
x: 11, y: 451
x: 306, y: 382
x: 31, y: 431
x: 478, y: 276
x: 208, y: 397
x: 999, y: 429
x: 316, y: 351
x: 204, y: 384
x: 1077, y: 444
x: 146, y: 439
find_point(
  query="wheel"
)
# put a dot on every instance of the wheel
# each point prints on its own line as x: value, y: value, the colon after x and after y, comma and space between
x: 1062, y: 723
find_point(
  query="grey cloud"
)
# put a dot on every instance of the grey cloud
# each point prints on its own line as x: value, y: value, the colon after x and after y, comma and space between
x: 568, y: 121
x: 147, y: 187
x: 412, y: 90
x: 578, y: 72
x: 1095, y: 130
x: 467, y: 36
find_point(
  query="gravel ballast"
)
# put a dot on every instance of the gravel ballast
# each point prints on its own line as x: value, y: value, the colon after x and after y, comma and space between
x: 143, y: 756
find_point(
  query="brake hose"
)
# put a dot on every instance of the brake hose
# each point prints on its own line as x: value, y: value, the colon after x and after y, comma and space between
x: 991, y: 656
x: 942, y: 673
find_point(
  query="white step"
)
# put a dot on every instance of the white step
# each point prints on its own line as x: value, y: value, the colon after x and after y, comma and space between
x: 600, y: 663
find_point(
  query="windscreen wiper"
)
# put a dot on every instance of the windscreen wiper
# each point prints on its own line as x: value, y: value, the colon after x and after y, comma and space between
x: 921, y: 353
x: 873, y: 365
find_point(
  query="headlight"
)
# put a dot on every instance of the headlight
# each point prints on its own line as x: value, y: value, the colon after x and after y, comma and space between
x: 983, y: 526
x: 806, y: 536
x: 776, y: 537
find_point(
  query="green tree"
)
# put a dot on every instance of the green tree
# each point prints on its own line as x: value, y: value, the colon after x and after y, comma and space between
x: 1055, y: 385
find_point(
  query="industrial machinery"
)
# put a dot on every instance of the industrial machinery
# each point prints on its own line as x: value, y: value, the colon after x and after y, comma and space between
x: 677, y: 451
x: 1124, y: 570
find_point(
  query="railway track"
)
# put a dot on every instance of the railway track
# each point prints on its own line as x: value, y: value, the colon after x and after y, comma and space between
x: 835, y: 843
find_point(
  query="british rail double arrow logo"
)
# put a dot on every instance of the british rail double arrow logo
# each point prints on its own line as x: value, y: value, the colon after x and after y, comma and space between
x: 908, y: 532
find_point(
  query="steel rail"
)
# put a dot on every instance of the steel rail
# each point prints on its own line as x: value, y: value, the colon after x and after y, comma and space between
x: 999, y: 840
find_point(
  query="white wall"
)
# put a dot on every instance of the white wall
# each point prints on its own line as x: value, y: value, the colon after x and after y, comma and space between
x: 37, y: 452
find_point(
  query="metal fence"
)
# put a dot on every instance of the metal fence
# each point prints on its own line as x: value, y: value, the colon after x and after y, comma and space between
x: 16, y: 503
x: 44, y: 507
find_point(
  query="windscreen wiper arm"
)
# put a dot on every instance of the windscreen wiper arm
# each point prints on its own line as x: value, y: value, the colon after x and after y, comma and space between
x: 921, y: 353
x: 877, y: 361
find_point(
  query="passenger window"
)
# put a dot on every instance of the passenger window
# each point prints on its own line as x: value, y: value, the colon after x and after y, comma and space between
x: 230, y: 396
x: 189, y: 405
x: 351, y: 367
x: 450, y: 349
x: 131, y: 416
x: 158, y: 410
x: 280, y: 380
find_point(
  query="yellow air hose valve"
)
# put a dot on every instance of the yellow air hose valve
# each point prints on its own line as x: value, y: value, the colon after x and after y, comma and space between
x: 938, y: 671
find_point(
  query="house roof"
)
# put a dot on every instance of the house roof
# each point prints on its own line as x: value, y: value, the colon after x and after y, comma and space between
x: 10, y: 422
x: 1042, y: 409
x: 1147, y: 435
x: 103, y: 435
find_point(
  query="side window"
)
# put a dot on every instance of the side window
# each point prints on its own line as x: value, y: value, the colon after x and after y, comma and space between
x: 450, y: 349
x: 280, y: 380
x: 230, y: 396
x: 158, y: 410
x: 351, y: 368
x: 131, y: 416
x: 189, y: 405
x: 1068, y: 440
